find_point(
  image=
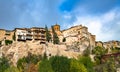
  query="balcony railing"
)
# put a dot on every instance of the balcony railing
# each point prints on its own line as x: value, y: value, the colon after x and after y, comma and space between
x: 29, y: 34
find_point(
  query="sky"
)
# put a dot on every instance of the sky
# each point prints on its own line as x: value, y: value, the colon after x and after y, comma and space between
x: 102, y: 17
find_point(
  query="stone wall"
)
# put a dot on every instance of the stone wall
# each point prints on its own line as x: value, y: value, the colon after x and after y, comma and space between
x: 2, y: 34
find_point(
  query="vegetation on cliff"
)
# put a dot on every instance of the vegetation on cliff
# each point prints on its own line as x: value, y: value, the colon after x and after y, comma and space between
x: 38, y: 63
x: 4, y: 64
x: 34, y: 63
x: 7, y: 42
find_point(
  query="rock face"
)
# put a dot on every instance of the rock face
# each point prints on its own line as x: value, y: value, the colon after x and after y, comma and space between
x: 60, y: 50
x: 20, y: 49
x: 77, y: 38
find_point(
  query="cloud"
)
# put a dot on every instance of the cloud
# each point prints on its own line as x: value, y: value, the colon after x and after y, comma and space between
x: 104, y: 26
x: 43, y: 12
x: 29, y: 13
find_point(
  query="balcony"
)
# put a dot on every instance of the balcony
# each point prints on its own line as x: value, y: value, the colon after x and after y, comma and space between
x: 36, y: 38
x: 29, y: 38
x: 21, y: 38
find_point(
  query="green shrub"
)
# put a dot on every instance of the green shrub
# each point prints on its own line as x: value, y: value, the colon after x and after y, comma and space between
x: 115, y: 49
x: 108, y: 66
x: 86, y: 61
x: 31, y: 59
x: 60, y: 64
x: 99, y: 51
x: 12, y: 69
x: 7, y: 42
x: 75, y: 66
x: 45, y: 66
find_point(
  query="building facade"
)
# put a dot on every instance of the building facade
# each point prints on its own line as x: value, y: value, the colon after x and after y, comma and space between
x: 30, y: 34
x: 6, y: 34
x: 39, y: 34
x: 20, y: 34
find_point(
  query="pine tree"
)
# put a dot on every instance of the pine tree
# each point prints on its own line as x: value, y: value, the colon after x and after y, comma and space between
x: 48, y: 35
x: 55, y: 37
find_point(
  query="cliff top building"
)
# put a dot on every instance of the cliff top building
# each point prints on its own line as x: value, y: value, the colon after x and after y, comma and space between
x: 72, y: 34
x: 32, y: 34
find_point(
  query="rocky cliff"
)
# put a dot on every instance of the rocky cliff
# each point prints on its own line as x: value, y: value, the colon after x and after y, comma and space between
x: 78, y: 39
x: 18, y: 50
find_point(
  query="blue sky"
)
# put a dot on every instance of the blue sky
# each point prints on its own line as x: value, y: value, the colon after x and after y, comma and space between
x: 102, y: 17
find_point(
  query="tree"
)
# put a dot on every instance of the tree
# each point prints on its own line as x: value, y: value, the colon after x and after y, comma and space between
x: 55, y: 37
x: 48, y: 35
x: 4, y: 64
x: 21, y: 63
x: 75, y: 66
x: 60, y: 64
x: 45, y: 66
x: 86, y: 61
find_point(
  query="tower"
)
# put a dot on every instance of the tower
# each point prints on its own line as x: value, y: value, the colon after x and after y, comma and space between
x: 56, y: 27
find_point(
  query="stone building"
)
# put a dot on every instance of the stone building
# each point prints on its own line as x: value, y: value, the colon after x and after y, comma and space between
x: 56, y: 27
x: 6, y: 34
x: 77, y: 33
x: 77, y: 37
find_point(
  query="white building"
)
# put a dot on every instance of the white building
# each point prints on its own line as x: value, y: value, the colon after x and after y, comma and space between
x: 20, y: 34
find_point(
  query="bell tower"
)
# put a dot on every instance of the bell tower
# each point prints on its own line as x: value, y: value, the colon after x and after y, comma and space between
x: 56, y: 27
